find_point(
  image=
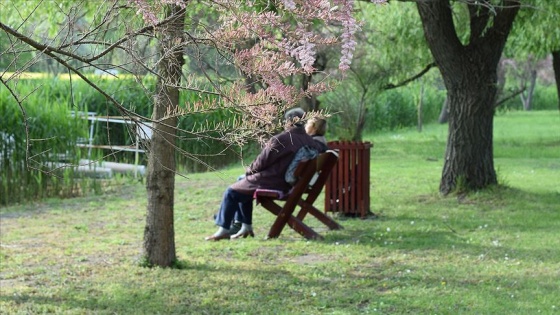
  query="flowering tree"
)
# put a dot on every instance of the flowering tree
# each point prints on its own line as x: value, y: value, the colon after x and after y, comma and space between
x: 264, y: 42
x: 260, y: 44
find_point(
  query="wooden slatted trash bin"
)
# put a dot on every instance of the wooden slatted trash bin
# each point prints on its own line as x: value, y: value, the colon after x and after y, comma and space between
x: 347, y: 189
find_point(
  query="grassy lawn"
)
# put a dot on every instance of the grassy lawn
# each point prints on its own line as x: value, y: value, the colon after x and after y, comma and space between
x: 492, y: 252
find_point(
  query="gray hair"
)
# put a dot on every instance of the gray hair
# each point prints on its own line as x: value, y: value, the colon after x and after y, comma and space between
x: 294, y: 116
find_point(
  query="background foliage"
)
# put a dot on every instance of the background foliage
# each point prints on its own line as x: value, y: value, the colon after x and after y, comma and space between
x: 53, y: 133
x: 53, y: 100
x: 51, y: 104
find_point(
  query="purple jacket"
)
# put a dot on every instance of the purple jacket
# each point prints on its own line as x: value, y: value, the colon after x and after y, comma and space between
x: 269, y: 167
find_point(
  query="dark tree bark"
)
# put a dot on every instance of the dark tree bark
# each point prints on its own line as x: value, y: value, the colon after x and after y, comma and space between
x: 556, y: 67
x: 360, y: 124
x: 470, y: 75
x: 159, y: 237
x: 311, y: 103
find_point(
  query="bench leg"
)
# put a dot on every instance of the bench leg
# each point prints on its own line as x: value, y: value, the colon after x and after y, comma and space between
x: 283, y: 218
x: 326, y: 220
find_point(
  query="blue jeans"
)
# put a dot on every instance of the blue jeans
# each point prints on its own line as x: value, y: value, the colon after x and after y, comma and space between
x: 235, y: 204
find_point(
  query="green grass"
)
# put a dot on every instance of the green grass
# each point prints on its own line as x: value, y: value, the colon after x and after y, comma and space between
x: 491, y: 252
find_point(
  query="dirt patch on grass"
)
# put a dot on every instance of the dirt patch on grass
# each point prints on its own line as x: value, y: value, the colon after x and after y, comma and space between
x: 309, y: 259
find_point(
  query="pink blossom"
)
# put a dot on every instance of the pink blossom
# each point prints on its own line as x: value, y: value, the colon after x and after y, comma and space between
x: 145, y: 10
x: 269, y: 48
x: 303, y: 50
x: 289, y: 4
x: 349, y: 28
x: 148, y: 12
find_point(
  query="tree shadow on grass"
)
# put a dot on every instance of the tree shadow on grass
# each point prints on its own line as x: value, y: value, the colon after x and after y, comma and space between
x: 478, y: 229
x: 272, y: 290
x: 205, y: 289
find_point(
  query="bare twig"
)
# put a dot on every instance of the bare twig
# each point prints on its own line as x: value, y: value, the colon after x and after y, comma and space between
x: 414, y: 77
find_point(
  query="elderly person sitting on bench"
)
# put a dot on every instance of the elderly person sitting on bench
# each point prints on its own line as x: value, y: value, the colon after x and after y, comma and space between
x: 266, y: 172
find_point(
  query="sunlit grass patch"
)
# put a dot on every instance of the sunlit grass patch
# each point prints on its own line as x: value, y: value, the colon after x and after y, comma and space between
x: 489, y: 252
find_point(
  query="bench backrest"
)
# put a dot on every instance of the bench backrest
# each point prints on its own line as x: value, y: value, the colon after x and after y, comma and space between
x: 313, y: 174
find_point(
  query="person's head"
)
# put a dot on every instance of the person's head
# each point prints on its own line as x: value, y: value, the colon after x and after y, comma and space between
x: 293, y: 117
x: 316, y: 126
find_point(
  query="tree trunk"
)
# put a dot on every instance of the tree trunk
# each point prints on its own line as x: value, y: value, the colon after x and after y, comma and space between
x: 159, y: 235
x: 470, y: 75
x: 501, y: 79
x: 360, y: 124
x: 527, y: 101
x: 420, y: 115
x: 311, y: 103
x: 444, y: 114
x: 469, y: 161
x: 556, y: 67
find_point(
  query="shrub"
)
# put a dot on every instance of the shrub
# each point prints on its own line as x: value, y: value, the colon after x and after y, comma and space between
x: 49, y: 105
x: 52, y: 135
x: 388, y: 110
x: 545, y: 97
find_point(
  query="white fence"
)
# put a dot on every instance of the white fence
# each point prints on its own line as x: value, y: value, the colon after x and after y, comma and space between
x: 143, y: 131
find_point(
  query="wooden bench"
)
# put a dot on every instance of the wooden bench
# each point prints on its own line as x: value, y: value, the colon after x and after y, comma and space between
x: 312, y: 176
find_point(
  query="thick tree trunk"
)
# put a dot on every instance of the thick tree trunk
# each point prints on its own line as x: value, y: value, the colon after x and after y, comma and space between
x: 159, y: 235
x: 469, y: 161
x: 556, y: 67
x: 470, y: 75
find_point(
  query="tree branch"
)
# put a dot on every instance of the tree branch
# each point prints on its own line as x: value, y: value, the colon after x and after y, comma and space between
x: 479, y: 17
x: 507, y: 98
x: 405, y: 82
x: 60, y: 49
